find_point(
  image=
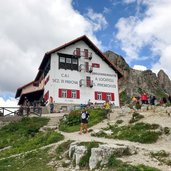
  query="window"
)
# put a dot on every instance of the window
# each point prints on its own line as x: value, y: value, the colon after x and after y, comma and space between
x: 68, y: 93
x: 64, y: 93
x: 62, y: 59
x: 73, y: 94
x: 104, y: 96
x: 108, y: 96
x: 68, y: 62
x: 86, y: 67
x: 99, y: 96
x: 74, y: 61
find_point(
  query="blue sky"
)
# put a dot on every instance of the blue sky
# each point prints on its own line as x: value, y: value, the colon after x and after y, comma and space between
x: 138, y: 30
x: 113, y: 10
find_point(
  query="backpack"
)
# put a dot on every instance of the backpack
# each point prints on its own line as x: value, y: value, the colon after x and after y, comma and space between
x: 83, y: 115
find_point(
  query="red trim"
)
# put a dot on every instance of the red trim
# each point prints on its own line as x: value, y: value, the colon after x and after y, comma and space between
x: 95, y: 94
x: 86, y: 53
x: 113, y: 96
x: 78, y: 94
x: 95, y: 65
x: 60, y: 92
x: 47, y: 79
x: 103, y: 96
x: 46, y: 96
x: 69, y: 93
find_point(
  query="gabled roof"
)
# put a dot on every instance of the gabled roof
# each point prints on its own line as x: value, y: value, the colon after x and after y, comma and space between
x: 20, y: 89
x: 89, y: 43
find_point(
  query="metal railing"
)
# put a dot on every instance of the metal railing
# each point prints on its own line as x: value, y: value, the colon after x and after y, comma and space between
x: 20, y: 111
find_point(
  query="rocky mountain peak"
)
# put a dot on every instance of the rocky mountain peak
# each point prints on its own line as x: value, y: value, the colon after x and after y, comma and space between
x: 135, y: 82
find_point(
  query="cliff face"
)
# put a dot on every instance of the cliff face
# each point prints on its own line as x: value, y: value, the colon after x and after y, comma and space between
x: 135, y: 82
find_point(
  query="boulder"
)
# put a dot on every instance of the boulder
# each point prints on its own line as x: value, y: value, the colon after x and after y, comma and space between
x: 76, y: 153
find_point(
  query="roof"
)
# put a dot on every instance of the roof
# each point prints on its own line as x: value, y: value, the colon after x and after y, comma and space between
x: 89, y: 43
x: 20, y: 89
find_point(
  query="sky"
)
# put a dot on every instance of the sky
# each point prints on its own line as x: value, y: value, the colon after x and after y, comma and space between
x: 138, y: 30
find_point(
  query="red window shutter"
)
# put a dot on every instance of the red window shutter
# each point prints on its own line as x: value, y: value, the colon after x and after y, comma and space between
x: 69, y: 93
x: 77, y: 51
x: 95, y: 65
x: 46, y: 96
x: 78, y: 94
x: 86, y: 53
x: 113, y: 97
x: 60, y: 92
x: 86, y: 67
x: 88, y: 81
x: 96, y: 95
x: 47, y: 79
x: 103, y: 96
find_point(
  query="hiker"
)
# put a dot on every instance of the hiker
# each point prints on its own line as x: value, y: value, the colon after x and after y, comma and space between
x: 84, y: 121
x: 133, y: 103
x: 51, y: 103
x: 107, y: 107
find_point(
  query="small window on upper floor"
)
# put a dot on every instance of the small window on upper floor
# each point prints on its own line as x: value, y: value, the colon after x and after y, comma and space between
x: 70, y: 63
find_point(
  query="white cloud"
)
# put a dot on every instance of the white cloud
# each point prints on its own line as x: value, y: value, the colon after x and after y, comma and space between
x: 11, y: 102
x: 140, y: 67
x: 30, y: 28
x: 97, y: 20
x: 153, y: 30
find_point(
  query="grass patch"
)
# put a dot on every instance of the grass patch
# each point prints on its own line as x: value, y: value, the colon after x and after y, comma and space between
x: 24, y: 136
x: 140, y: 132
x: 84, y: 161
x: 62, y: 148
x: 162, y: 157
x: 135, y: 117
x: 71, y: 123
x: 119, y: 121
x: 118, y: 165
x: 33, y: 161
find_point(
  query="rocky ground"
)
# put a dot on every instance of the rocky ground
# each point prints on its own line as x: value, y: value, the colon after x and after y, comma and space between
x: 159, y: 116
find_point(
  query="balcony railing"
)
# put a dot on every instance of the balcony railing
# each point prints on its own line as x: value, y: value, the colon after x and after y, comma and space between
x: 86, y: 55
x: 82, y: 67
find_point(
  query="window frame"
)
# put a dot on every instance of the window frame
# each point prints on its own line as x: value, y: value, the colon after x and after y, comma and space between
x: 64, y: 93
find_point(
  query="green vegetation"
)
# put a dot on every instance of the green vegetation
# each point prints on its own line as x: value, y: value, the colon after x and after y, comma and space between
x: 162, y: 157
x: 140, y: 132
x: 118, y: 165
x: 166, y: 130
x: 84, y: 162
x: 33, y: 161
x: 24, y: 136
x: 160, y: 92
x: 119, y: 121
x: 124, y: 98
x: 62, y: 148
x: 135, y: 117
x: 71, y: 123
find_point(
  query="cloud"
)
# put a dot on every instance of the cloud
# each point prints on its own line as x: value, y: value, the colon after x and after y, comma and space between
x: 140, y: 67
x: 150, y: 30
x: 11, y: 102
x: 30, y: 28
x: 97, y: 20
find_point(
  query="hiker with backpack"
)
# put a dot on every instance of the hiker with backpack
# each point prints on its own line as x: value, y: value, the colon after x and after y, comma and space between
x: 84, y: 121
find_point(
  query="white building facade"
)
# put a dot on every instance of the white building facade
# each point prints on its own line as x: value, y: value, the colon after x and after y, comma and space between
x: 77, y: 72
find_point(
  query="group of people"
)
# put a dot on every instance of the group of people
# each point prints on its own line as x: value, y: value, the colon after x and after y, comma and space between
x: 149, y: 99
